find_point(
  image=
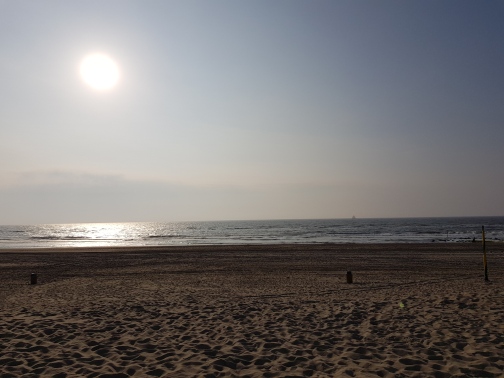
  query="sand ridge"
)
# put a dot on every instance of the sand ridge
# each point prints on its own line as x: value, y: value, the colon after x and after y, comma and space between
x: 254, y: 311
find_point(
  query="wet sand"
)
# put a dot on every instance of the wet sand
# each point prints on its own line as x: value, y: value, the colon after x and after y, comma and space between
x: 414, y: 310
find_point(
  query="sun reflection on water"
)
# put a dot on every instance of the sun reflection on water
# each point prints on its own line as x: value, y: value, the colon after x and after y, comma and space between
x: 111, y: 234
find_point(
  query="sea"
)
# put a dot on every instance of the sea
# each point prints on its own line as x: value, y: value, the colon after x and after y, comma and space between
x: 372, y: 230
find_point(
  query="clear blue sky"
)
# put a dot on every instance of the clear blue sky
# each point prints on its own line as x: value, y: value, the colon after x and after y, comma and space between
x: 252, y: 110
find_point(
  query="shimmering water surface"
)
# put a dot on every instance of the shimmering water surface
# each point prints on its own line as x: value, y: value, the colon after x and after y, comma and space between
x: 409, y: 230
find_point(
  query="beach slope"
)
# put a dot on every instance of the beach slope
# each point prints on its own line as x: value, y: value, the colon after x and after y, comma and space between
x: 414, y: 310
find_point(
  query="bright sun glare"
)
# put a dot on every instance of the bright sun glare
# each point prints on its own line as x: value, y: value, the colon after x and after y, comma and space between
x: 99, y: 71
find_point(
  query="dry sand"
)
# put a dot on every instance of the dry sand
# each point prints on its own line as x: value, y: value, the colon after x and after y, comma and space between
x: 253, y: 311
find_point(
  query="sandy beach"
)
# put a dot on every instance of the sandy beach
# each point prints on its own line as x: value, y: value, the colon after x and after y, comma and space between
x: 414, y: 310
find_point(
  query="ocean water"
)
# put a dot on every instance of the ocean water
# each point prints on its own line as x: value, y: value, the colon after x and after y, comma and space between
x: 403, y: 230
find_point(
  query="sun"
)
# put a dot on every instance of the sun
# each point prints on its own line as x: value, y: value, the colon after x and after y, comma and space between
x: 99, y: 71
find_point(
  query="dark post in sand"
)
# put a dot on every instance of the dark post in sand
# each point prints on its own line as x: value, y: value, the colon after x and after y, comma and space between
x: 349, y: 278
x: 33, y: 278
x: 484, y: 253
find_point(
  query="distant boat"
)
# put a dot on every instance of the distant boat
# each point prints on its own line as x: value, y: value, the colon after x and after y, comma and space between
x: 353, y: 217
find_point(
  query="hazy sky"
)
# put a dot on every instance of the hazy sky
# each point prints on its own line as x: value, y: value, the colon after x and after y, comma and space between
x: 251, y: 110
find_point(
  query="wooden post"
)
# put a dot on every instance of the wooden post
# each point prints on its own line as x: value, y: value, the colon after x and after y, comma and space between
x: 33, y: 278
x: 349, y: 278
x: 484, y: 253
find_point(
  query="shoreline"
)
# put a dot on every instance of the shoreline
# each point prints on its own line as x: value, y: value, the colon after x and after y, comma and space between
x: 335, y: 245
x: 278, y: 310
